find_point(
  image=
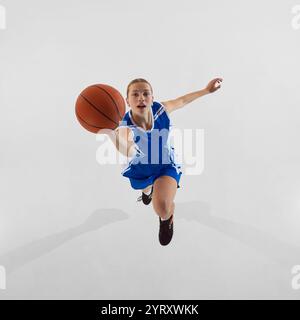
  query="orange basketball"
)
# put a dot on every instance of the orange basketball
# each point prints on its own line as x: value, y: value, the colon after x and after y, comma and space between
x: 100, y: 106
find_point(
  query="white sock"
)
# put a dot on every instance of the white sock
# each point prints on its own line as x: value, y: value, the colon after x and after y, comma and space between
x: 162, y: 219
x: 147, y: 192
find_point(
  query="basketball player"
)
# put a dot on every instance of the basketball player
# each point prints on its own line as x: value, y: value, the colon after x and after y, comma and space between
x: 152, y: 167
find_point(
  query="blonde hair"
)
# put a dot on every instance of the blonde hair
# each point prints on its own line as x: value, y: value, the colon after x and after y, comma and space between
x: 137, y: 81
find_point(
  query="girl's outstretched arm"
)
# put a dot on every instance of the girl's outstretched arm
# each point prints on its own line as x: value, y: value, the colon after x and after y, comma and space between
x: 178, y: 103
x: 122, y: 138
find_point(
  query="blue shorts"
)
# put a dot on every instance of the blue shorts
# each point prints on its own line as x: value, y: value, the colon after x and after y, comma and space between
x: 169, y: 170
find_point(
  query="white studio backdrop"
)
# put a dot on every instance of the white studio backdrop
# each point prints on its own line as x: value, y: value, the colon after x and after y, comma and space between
x: 71, y: 228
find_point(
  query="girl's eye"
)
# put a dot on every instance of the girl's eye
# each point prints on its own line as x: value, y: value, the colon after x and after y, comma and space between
x: 145, y: 94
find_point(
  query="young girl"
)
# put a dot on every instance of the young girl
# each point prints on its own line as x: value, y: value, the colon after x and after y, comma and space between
x: 143, y: 136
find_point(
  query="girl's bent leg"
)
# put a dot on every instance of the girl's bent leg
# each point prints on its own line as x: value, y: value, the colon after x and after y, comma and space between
x: 164, y: 191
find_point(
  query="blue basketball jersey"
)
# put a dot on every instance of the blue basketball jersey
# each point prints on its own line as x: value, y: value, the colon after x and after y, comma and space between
x: 153, y: 147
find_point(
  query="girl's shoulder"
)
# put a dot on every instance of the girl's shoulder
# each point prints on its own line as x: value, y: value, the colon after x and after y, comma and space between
x: 126, y: 121
x: 158, y: 109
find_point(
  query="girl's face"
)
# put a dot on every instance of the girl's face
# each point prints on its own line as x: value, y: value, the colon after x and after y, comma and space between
x: 140, y: 97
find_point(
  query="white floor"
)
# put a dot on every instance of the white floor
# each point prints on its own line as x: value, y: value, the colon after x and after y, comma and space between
x: 115, y: 254
x: 70, y: 228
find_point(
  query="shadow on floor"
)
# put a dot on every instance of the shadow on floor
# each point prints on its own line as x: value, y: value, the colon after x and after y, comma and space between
x: 18, y: 257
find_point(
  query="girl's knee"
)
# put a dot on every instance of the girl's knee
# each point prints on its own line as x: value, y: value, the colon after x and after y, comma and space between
x: 163, y: 207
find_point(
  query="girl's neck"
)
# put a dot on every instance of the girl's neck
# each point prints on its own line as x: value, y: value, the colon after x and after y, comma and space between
x: 144, y: 121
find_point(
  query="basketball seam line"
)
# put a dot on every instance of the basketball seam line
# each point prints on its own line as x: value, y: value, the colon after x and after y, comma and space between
x: 91, y: 125
x: 111, y: 99
x: 81, y: 95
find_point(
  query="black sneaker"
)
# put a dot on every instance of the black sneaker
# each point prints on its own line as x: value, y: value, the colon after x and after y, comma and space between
x: 165, y: 231
x: 146, y: 198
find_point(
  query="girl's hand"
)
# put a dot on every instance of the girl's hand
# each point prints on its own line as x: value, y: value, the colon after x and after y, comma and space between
x: 214, y: 85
